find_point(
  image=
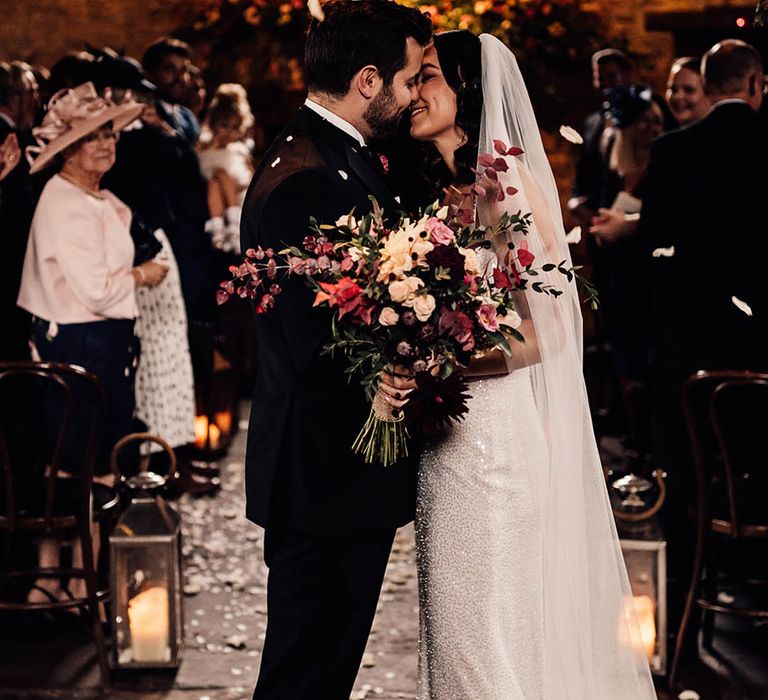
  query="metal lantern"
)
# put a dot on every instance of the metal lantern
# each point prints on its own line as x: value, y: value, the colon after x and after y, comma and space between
x: 145, y: 574
x: 636, y: 501
x: 645, y: 556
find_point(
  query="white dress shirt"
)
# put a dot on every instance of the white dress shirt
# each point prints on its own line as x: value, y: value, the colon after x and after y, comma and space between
x: 336, y: 120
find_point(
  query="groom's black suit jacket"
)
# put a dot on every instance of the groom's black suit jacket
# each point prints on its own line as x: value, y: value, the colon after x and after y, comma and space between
x: 301, y: 473
x: 706, y: 197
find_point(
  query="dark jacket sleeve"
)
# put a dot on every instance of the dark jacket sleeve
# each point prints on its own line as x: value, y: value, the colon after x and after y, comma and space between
x: 284, y: 220
x: 654, y: 227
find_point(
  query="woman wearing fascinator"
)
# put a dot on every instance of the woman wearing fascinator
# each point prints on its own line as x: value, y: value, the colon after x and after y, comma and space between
x: 523, y: 588
x: 78, y: 279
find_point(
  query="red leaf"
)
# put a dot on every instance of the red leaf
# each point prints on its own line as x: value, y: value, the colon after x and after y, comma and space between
x: 525, y: 257
x: 486, y: 160
x: 515, y: 151
x: 500, y: 196
x: 500, y: 147
x: 491, y: 174
x: 511, y: 190
x: 221, y: 297
x: 501, y: 165
x: 501, y: 279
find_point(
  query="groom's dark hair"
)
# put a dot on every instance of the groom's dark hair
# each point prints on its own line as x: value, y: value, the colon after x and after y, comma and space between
x: 357, y: 33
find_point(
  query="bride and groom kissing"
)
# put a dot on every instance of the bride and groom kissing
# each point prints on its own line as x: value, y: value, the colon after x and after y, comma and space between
x: 523, y: 591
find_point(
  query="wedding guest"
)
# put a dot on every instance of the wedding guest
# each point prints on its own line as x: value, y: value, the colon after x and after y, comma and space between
x: 196, y: 96
x: 165, y: 400
x: 637, y: 117
x: 71, y: 70
x: 225, y: 159
x: 610, y: 68
x: 19, y: 94
x: 697, y: 202
x: 175, y: 189
x: 157, y: 174
x: 685, y: 91
x: 168, y: 64
x: 15, y: 217
x: 78, y: 278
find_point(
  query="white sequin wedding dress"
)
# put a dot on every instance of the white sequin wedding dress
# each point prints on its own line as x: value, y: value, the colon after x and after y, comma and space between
x: 479, y: 514
x: 523, y: 590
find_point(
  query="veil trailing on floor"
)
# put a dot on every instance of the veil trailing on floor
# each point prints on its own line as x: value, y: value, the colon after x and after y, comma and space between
x: 593, y: 646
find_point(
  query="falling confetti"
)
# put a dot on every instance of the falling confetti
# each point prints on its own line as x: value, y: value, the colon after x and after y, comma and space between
x: 570, y: 134
x: 573, y: 236
x: 742, y: 305
x: 315, y: 8
x: 689, y: 695
x: 664, y: 252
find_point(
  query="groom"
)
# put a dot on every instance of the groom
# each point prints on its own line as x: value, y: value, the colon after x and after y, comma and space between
x: 329, y: 518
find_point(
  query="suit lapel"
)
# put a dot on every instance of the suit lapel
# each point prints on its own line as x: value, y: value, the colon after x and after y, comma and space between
x: 371, y: 180
x: 329, y: 136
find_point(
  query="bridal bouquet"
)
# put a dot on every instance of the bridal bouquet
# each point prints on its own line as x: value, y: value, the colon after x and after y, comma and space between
x: 425, y: 294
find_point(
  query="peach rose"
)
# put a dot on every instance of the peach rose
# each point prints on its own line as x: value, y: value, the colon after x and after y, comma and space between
x: 471, y: 264
x: 388, y: 316
x: 402, y: 291
x: 423, y: 306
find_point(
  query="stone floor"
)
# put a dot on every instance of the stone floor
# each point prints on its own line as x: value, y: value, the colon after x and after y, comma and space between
x: 225, y: 608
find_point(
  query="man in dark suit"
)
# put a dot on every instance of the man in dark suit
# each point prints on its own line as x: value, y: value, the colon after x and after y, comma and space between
x: 330, y: 519
x: 157, y: 173
x: 611, y: 68
x: 704, y: 214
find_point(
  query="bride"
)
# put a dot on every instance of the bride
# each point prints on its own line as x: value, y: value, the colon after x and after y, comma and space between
x: 523, y: 588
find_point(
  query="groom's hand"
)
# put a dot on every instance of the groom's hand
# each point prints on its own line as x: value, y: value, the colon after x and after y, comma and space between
x: 395, y: 385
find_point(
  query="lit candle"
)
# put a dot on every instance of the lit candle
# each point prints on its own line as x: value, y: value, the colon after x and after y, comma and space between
x: 148, y: 621
x: 214, y: 436
x: 223, y: 420
x: 207, y: 434
x: 646, y: 620
x: 201, y: 431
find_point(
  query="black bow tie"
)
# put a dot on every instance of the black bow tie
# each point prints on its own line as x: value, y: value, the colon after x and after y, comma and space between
x: 372, y: 158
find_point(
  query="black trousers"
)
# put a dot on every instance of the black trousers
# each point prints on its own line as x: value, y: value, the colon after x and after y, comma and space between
x: 322, y: 593
x: 107, y: 349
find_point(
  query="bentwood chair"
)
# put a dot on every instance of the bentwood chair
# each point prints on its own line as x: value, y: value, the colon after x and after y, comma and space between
x: 726, y: 413
x: 40, y: 402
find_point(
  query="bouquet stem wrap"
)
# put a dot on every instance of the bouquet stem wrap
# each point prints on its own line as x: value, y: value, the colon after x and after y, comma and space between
x: 384, y: 437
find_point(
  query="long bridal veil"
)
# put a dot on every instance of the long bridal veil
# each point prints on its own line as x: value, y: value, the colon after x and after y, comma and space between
x: 593, y: 647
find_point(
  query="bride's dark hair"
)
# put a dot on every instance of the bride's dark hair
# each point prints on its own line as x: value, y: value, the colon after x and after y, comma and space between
x: 459, y: 56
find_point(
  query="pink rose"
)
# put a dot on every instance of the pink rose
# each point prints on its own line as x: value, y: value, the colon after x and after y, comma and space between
x: 486, y: 315
x: 439, y: 233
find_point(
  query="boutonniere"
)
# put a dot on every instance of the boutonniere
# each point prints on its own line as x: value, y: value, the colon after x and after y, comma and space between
x: 384, y: 163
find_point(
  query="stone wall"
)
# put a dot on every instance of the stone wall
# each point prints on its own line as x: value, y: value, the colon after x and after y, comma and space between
x: 41, y: 31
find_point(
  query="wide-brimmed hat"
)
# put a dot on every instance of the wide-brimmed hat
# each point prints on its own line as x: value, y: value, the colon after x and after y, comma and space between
x: 72, y: 114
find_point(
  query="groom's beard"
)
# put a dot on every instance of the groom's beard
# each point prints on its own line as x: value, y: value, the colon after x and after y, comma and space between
x: 383, y: 115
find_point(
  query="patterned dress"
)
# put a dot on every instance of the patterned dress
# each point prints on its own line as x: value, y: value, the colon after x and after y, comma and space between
x: 165, y: 398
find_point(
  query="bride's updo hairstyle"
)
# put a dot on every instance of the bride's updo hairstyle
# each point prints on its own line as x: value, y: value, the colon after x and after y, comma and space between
x: 459, y: 56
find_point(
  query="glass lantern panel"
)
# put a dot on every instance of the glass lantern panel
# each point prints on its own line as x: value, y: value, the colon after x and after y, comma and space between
x: 644, y: 560
x: 145, y: 589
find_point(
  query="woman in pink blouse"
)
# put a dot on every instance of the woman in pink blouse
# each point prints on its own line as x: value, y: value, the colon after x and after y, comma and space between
x: 78, y: 280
